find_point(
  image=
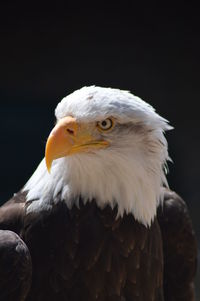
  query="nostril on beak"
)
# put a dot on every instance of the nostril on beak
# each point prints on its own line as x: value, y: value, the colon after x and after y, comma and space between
x: 70, y: 131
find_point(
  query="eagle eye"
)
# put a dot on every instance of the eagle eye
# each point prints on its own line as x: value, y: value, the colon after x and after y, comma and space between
x: 106, y: 124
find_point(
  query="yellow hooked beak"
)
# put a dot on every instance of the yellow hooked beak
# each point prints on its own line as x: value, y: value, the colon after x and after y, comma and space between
x: 69, y: 137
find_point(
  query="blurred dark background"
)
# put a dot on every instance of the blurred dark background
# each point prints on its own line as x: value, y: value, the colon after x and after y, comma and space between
x: 46, y: 52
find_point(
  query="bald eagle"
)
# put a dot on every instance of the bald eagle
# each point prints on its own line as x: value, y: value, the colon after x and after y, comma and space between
x: 97, y: 221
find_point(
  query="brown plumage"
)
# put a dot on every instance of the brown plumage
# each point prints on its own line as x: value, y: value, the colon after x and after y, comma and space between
x: 15, y: 267
x: 180, y: 248
x: 92, y: 229
x: 88, y: 254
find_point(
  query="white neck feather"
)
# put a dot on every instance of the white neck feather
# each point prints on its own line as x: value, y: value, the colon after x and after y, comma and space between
x: 131, y: 178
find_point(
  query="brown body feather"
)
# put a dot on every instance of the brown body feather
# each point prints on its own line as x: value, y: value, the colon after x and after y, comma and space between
x: 87, y: 254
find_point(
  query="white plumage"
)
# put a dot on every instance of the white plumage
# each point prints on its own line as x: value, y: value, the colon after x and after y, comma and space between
x: 129, y: 173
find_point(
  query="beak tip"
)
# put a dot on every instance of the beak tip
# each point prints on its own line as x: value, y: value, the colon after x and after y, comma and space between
x: 48, y: 165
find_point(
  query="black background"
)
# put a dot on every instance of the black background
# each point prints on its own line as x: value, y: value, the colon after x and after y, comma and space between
x: 46, y: 52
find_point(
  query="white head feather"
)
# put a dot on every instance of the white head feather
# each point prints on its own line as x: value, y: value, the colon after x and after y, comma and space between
x: 129, y: 173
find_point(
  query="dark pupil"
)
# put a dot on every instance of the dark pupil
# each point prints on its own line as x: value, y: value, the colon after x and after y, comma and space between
x: 104, y: 123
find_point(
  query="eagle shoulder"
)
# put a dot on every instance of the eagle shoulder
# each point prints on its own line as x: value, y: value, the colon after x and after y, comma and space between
x: 16, y: 267
x: 12, y: 213
x: 180, y: 248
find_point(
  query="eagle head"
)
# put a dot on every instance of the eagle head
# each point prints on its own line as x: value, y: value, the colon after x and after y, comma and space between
x: 107, y: 145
